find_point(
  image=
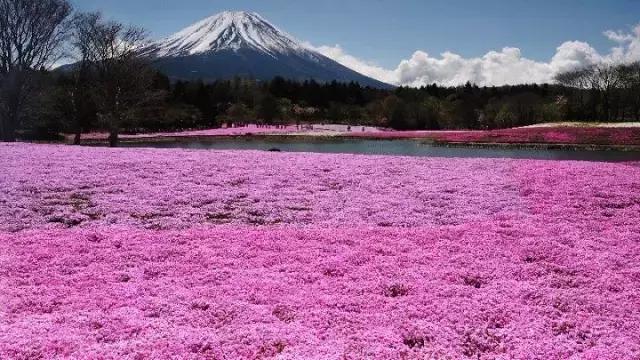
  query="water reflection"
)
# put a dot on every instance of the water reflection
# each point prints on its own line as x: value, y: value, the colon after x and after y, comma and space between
x: 384, y: 147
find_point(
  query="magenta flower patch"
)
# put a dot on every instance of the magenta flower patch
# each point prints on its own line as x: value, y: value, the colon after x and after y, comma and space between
x: 145, y: 254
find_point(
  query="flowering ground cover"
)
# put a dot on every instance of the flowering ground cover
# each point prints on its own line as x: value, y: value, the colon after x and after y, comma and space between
x: 59, y: 186
x: 562, y: 133
x: 629, y: 136
x: 248, y: 130
x: 628, y: 124
x: 145, y: 254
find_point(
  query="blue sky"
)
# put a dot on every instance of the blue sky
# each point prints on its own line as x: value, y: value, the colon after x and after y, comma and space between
x: 386, y: 32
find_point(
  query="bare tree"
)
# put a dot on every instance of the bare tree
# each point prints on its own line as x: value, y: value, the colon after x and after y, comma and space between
x: 577, y: 79
x: 630, y: 75
x: 82, y: 76
x: 605, y: 82
x: 123, y: 77
x: 602, y: 82
x: 578, y: 82
x: 31, y: 38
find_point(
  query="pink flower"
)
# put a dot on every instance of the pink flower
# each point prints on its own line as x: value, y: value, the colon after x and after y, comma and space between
x: 131, y: 253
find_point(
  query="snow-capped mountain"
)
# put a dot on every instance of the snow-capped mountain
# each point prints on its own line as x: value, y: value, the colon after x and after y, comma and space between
x: 244, y: 44
x: 229, y: 31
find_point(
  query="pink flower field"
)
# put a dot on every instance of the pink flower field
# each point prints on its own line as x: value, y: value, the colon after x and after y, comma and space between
x: 153, y: 254
x: 626, y: 136
x: 248, y: 130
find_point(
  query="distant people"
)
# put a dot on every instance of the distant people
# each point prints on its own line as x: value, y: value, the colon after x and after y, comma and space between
x: 349, y: 128
x: 363, y: 129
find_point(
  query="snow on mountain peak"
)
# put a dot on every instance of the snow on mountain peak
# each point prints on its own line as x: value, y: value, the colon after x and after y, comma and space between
x: 229, y: 30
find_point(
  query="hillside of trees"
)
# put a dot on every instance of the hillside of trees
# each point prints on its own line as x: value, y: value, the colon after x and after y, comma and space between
x: 111, y: 87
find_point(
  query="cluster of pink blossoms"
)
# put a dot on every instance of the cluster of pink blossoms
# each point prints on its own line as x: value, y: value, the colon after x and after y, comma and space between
x: 146, y: 254
x: 538, y: 135
x: 250, y: 129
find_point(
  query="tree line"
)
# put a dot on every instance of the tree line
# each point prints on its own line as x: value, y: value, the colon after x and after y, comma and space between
x: 109, y: 80
x: 111, y: 86
x: 605, y: 92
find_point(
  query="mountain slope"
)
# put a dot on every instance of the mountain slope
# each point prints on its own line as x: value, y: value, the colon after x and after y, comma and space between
x: 244, y: 44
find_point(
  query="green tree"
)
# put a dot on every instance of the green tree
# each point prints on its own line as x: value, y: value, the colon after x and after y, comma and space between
x: 268, y: 109
x: 505, y: 117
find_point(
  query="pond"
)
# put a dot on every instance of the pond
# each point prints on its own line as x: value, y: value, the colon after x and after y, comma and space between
x: 383, y: 147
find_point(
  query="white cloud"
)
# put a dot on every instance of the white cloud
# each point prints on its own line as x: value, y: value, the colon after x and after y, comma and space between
x: 572, y: 55
x: 496, y: 67
x: 504, y: 67
x: 366, y: 68
x: 618, y: 36
x: 628, y: 48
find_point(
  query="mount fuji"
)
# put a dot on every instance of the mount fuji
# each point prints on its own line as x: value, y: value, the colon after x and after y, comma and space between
x: 243, y: 44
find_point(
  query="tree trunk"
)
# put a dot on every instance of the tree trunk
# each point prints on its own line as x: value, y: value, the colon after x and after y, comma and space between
x: 2, y: 128
x: 15, y: 92
x: 9, y: 127
x: 77, y: 137
x: 8, y: 132
x: 113, y: 138
x: 76, y: 116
